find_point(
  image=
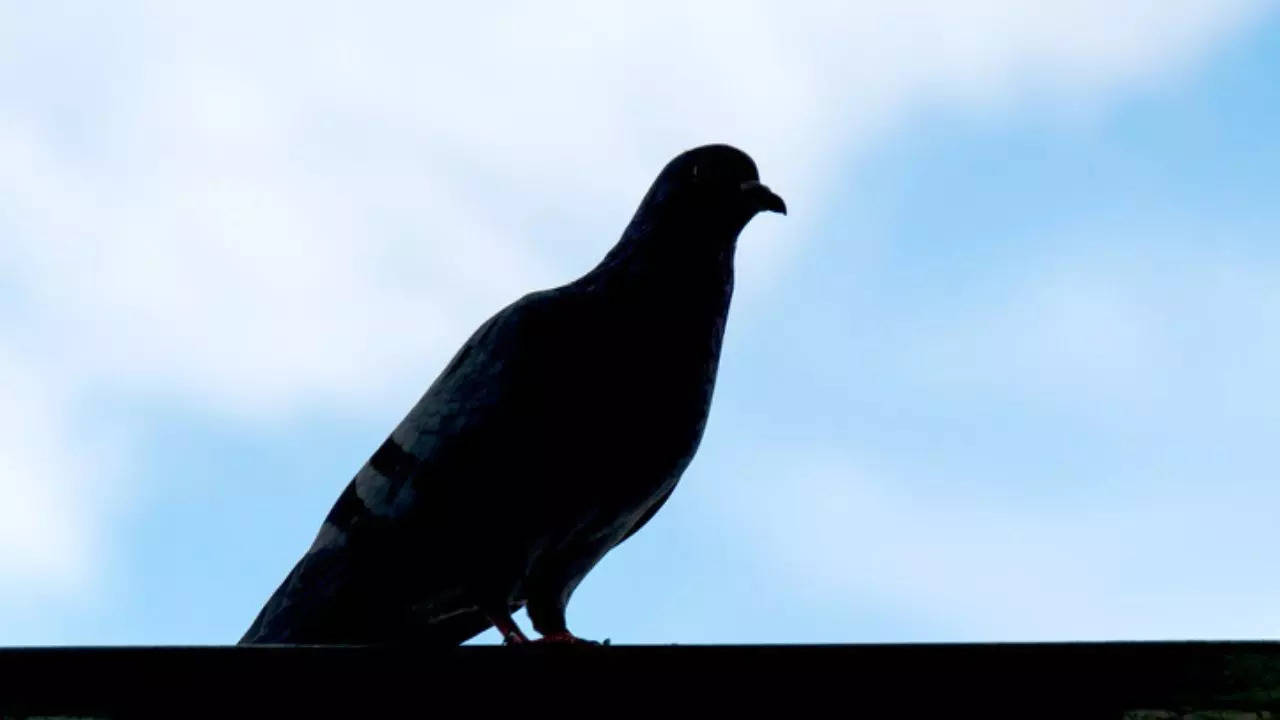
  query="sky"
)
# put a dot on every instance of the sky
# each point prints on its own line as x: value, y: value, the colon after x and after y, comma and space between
x: 1006, y: 372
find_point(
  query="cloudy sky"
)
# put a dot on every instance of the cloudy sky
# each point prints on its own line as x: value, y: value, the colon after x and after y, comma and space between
x: 1008, y: 370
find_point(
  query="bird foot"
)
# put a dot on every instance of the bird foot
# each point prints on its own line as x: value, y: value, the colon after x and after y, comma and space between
x: 515, y: 638
x: 511, y: 634
x: 563, y: 637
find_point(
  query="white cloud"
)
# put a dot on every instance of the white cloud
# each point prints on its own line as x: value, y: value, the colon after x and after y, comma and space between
x: 980, y: 564
x: 51, y: 487
x: 268, y: 211
x: 259, y: 210
x: 1068, y: 338
x: 1115, y: 342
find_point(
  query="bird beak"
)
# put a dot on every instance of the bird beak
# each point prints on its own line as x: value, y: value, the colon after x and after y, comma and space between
x: 762, y: 198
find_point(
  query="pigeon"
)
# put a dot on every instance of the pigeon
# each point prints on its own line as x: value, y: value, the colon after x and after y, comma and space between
x: 555, y: 433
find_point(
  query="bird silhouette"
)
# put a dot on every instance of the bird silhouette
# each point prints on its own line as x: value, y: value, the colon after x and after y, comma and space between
x: 555, y: 433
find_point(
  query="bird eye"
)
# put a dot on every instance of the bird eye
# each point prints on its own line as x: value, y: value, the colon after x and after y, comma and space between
x: 695, y: 171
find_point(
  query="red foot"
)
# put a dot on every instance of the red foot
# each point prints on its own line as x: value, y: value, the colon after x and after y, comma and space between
x: 563, y: 637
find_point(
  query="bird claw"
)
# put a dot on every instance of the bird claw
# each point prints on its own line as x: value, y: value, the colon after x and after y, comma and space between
x: 563, y: 638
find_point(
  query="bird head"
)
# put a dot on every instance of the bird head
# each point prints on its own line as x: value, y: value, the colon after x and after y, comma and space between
x: 696, y: 207
x: 713, y: 186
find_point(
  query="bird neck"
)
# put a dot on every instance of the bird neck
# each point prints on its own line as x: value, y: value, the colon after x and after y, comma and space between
x: 648, y: 265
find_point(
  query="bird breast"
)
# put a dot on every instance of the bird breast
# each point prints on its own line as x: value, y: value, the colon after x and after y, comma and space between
x: 644, y: 389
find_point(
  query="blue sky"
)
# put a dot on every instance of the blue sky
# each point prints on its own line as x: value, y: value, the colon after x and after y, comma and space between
x: 1006, y: 371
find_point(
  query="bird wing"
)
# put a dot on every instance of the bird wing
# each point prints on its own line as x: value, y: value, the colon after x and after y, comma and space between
x: 465, y: 417
x: 338, y: 591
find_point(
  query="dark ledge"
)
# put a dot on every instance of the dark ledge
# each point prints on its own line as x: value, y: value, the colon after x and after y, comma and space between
x: 1164, y: 680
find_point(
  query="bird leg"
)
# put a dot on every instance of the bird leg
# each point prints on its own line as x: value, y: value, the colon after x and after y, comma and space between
x: 511, y: 633
x: 548, y: 620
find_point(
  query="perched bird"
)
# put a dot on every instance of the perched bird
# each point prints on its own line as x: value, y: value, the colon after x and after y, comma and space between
x: 555, y: 433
